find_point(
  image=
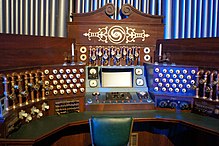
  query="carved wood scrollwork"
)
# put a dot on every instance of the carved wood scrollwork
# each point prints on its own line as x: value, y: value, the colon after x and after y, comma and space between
x: 110, y: 9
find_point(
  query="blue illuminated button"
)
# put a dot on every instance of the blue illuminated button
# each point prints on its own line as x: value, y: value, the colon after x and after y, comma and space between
x: 185, y: 71
x: 156, y: 69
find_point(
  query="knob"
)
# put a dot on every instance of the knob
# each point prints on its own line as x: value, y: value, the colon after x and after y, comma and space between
x: 93, y: 71
x: 61, y: 71
x: 68, y: 71
x: 163, y: 104
x: 78, y: 85
x: 173, y: 105
x: 74, y: 90
x: 74, y: 70
x: 51, y: 77
x: 89, y: 101
x: 183, y: 105
x: 81, y: 70
x: 46, y: 71
x: 78, y: 76
x: 68, y: 91
x: 74, y: 80
x: 54, y: 71
x: 82, y: 90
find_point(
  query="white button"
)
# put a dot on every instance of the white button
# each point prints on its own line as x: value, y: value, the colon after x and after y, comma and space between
x: 138, y: 71
x: 74, y: 70
x: 54, y: 71
x: 46, y: 71
x: 156, y: 69
x: 139, y: 82
x: 81, y: 70
x: 68, y: 71
x: 93, y: 83
x: 61, y: 71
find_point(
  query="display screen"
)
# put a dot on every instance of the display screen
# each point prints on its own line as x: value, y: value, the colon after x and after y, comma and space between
x: 117, y: 79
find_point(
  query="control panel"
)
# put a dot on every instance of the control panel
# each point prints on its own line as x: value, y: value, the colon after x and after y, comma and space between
x: 68, y: 81
x: 31, y: 93
x: 173, y: 86
x: 206, y: 101
x: 116, y: 85
x: 114, y: 55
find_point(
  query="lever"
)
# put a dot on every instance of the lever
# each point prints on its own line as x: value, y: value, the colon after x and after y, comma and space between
x: 22, y: 114
x: 28, y: 118
x: 212, y: 83
x: 45, y: 106
x: 198, y: 75
x: 34, y: 110
x: 205, y: 83
x: 5, y: 82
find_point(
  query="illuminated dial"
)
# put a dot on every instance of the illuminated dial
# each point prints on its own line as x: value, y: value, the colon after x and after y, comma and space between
x: 93, y: 71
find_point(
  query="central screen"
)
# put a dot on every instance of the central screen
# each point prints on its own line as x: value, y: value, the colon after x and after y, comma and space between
x: 116, y: 79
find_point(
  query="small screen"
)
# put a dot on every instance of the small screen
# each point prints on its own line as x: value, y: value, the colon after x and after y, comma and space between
x: 117, y: 79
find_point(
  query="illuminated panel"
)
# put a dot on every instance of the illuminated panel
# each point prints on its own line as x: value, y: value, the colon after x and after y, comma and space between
x: 172, y: 80
x: 116, y: 79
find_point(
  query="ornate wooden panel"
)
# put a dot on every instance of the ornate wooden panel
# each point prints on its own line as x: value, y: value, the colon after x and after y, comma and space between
x: 96, y: 33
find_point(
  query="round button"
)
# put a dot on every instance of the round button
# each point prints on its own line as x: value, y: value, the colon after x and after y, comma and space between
x: 93, y: 71
x: 146, y: 50
x: 185, y: 71
x: 140, y: 82
x: 54, y: 71
x: 93, y: 83
x: 156, y: 69
x: 61, y: 71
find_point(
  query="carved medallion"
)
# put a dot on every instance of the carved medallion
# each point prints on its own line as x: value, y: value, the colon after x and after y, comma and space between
x: 116, y: 34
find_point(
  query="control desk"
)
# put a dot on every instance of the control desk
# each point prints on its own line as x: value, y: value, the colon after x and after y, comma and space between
x: 109, y: 66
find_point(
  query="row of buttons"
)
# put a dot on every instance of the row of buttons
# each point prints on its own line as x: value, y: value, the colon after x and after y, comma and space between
x: 61, y: 71
x: 65, y: 81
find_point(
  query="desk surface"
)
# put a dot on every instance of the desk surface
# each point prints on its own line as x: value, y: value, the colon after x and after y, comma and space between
x: 47, y: 125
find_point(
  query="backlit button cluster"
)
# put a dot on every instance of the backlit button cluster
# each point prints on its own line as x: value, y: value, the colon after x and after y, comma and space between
x: 61, y: 81
x: 173, y: 79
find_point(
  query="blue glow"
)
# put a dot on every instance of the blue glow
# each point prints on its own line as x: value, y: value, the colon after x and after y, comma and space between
x: 188, y: 19
x: 167, y: 5
x: 205, y: 19
x: 175, y: 29
x: 182, y: 20
x: 194, y: 18
x: 210, y: 24
x: 152, y: 7
x: 215, y: 18
x: 94, y: 4
x: 199, y: 18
